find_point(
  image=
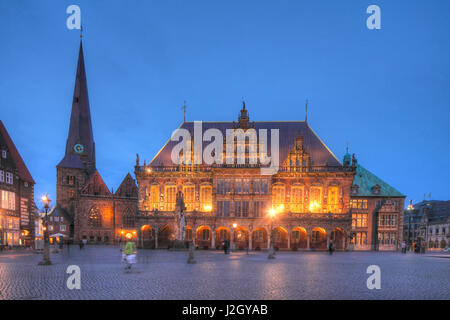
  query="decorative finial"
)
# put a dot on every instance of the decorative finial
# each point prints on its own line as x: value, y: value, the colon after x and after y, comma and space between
x: 81, y: 32
x: 243, y: 103
x: 184, y: 110
x: 347, y: 148
x: 306, y: 111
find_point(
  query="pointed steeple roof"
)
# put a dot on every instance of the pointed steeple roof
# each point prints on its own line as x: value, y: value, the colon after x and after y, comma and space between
x: 80, y: 141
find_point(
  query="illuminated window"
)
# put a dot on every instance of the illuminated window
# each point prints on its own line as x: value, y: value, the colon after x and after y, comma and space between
x: 359, y: 220
x: 333, y: 199
x: 297, y: 199
x: 206, y: 198
x: 71, y: 194
x: 277, y: 196
x: 8, y: 200
x: 189, y: 197
x: 315, y: 199
x: 259, y: 235
x: 170, y: 198
x: 360, y: 238
x: 95, y: 218
x: 205, y: 234
x: 154, y: 197
x: 358, y: 204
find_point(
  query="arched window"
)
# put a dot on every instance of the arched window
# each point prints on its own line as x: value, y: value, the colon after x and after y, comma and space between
x: 128, y: 219
x: 95, y: 217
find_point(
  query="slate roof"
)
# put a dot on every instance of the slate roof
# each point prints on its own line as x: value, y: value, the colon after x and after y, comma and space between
x: 22, y: 169
x: 367, y: 180
x: 320, y: 154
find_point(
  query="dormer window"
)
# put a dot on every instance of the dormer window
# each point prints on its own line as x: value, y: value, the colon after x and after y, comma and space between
x: 376, y: 189
x: 355, y: 189
x: 4, y: 154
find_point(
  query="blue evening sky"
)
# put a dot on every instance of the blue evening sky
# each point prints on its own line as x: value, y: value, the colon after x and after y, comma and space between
x: 386, y: 92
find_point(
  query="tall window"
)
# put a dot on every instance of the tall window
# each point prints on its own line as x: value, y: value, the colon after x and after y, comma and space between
x: 189, y: 197
x: 219, y: 186
x: 9, y: 178
x: 241, y: 208
x: 170, y: 198
x: 238, y: 186
x: 206, y: 198
x: 315, y: 199
x: 8, y: 200
x: 296, y: 199
x: 277, y: 196
x: 95, y: 218
x: 223, y: 208
x: 333, y: 199
x: 2, y: 176
x: 71, y: 180
x: 154, y: 197
x: 259, y: 208
x: 359, y: 220
x: 360, y: 238
x: 128, y: 219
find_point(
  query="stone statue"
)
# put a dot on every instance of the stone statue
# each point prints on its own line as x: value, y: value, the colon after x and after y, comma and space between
x: 137, y: 159
x: 181, y: 218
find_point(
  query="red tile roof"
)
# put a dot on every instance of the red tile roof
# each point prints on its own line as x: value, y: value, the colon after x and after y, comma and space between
x: 18, y: 161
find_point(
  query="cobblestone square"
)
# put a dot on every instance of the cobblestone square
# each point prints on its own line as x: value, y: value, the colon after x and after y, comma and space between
x: 161, y: 274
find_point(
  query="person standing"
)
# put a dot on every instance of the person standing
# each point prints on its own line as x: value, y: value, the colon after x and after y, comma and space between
x: 331, y: 247
x: 403, y: 247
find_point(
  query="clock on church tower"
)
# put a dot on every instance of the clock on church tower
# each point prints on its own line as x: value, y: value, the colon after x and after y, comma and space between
x: 78, y: 148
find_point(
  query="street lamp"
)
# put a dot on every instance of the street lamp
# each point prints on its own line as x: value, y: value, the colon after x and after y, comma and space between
x: 272, y: 214
x: 46, y: 255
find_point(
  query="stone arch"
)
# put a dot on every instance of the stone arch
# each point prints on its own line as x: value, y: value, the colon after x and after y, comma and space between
x: 165, y: 236
x: 241, y: 238
x: 259, y: 238
x: 203, y: 237
x: 338, y: 238
x: 280, y: 238
x: 221, y: 234
x: 147, y: 237
x: 318, y: 239
x: 299, y: 238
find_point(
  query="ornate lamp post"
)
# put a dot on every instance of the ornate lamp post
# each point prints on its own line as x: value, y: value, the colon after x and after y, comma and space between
x: 272, y: 214
x: 46, y: 255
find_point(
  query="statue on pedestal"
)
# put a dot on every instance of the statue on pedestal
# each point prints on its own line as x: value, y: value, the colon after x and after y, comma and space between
x: 181, y: 218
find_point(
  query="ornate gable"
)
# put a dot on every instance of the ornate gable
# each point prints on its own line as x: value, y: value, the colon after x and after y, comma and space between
x: 127, y: 188
x: 96, y: 186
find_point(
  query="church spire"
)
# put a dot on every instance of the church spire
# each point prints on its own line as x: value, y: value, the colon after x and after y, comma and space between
x: 80, y: 141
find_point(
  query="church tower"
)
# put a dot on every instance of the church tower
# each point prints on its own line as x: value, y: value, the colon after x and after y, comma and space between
x: 78, y: 163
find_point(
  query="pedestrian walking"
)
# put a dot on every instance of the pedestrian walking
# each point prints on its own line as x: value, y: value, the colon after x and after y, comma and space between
x: 330, y: 248
x: 403, y: 247
x: 130, y: 254
x: 81, y: 245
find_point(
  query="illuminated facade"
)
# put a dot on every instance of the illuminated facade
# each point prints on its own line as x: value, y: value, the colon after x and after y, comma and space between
x: 16, y: 196
x: 311, y: 195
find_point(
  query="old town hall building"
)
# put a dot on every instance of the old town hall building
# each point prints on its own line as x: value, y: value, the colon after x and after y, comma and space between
x: 313, y: 198
x: 96, y: 213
